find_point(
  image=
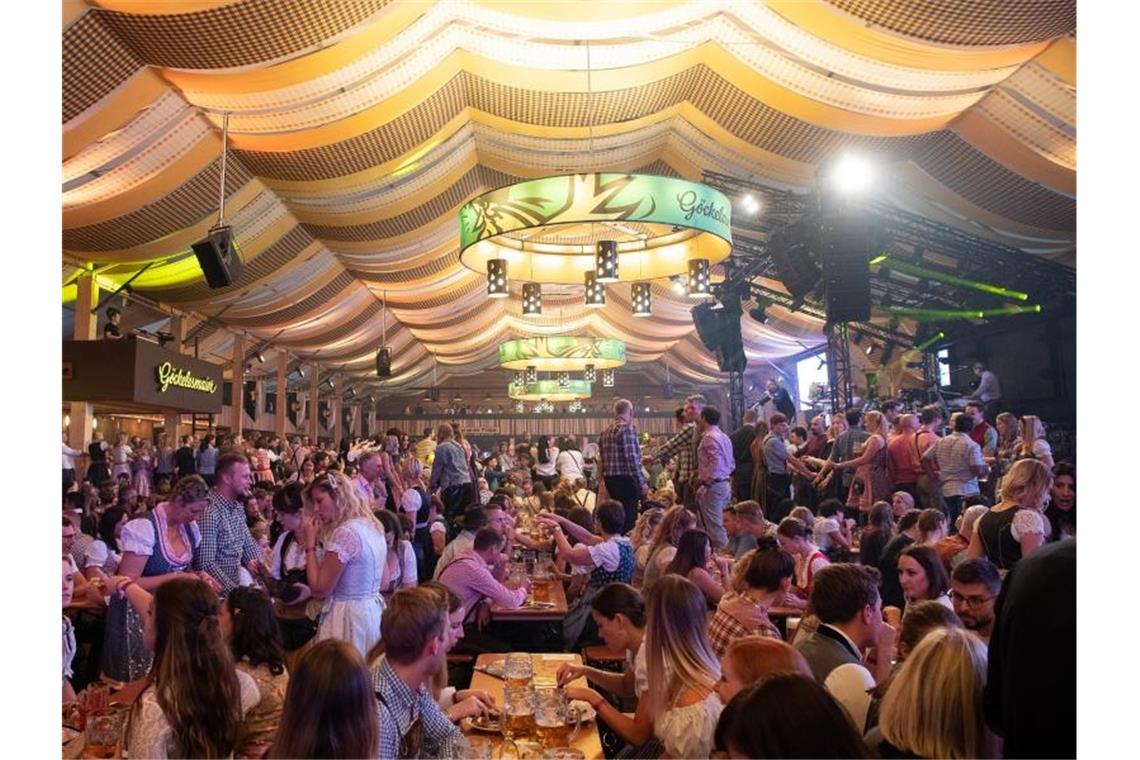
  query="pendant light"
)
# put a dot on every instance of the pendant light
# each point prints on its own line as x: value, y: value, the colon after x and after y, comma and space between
x: 642, y: 306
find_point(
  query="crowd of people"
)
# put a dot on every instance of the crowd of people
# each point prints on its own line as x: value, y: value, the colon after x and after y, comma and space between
x: 873, y: 585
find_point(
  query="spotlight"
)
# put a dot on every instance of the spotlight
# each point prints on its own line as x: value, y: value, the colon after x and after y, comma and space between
x: 750, y: 205
x: 532, y: 298
x: 300, y: 373
x: 498, y: 285
x: 642, y: 306
x: 698, y: 278
x: 595, y: 291
x: 606, y: 260
x: 427, y: 395
x: 870, y: 348
x: 678, y: 284
x: 260, y: 359
x: 851, y: 175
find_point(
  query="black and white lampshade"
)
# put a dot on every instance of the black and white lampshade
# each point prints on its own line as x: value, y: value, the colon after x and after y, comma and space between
x: 606, y: 260
x: 642, y: 307
x: 591, y: 374
x: 607, y: 378
x: 532, y: 298
x: 497, y: 284
x: 520, y: 407
x: 698, y: 278
x: 532, y: 374
x: 519, y: 379
x: 595, y: 291
x: 563, y: 379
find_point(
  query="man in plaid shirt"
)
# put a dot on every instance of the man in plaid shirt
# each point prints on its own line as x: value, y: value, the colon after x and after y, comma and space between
x: 226, y: 542
x: 619, y: 467
x: 683, y: 446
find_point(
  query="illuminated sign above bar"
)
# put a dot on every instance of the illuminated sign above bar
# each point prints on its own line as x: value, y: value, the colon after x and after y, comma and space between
x: 169, y: 375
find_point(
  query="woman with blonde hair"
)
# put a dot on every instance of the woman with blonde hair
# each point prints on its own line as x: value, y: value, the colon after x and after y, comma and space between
x: 933, y: 708
x: 1033, y: 444
x: 1016, y: 526
x: 675, y: 522
x: 680, y: 706
x: 872, y: 481
x: 642, y: 540
x: 349, y: 575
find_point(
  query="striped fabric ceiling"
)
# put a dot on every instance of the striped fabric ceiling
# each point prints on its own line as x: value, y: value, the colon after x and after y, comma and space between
x: 359, y: 127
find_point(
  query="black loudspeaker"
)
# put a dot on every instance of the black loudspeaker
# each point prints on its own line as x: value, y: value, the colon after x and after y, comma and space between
x: 791, y: 250
x: 845, y: 249
x: 719, y: 331
x: 384, y: 362
x: 218, y: 258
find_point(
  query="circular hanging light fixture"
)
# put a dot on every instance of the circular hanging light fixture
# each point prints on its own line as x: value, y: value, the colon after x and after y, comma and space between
x: 531, y: 298
x: 561, y: 353
x: 606, y: 260
x: 595, y: 291
x: 551, y: 390
x: 698, y: 278
x: 642, y: 306
x: 497, y: 284
x: 551, y: 227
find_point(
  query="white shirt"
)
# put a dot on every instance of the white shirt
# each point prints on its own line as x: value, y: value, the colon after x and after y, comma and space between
x: 849, y: 684
x: 607, y: 555
x: 570, y: 464
x: 69, y: 455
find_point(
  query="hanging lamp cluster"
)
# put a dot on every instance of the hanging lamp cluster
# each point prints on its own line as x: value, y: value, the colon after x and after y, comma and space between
x: 594, y: 229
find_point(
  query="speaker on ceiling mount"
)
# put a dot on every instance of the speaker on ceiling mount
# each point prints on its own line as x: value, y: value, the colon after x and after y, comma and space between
x: 791, y: 249
x: 218, y: 258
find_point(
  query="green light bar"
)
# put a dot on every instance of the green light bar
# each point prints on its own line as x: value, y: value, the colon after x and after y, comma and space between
x: 930, y: 274
x: 930, y: 341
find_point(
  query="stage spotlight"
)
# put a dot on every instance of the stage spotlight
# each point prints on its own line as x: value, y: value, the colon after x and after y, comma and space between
x: 678, y: 284
x: 870, y: 348
x: 851, y: 175
x: 750, y: 205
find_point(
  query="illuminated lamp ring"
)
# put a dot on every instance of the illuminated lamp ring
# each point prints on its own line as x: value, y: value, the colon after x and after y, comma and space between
x: 562, y: 353
x: 660, y: 223
x: 550, y: 390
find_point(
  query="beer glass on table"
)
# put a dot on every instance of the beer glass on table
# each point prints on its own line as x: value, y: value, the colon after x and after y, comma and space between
x: 551, y: 717
x: 518, y: 669
x: 518, y: 712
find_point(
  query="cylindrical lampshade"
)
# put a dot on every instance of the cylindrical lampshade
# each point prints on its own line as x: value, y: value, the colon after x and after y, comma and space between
x: 698, y: 278
x: 595, y: 291
x: 532, y: 374
x: 591, y: 374
x: 497, y: 284
x: 520, y: 407
x: 606, y: 260
x: 563, y: 379
x: 642, y: 307
x: 608, y: 378
x: 520, y: 378
x: 531, y: 298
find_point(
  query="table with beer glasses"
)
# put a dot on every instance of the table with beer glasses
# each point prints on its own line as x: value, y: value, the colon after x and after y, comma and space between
x: 534, y: 714
x: 546, y: 601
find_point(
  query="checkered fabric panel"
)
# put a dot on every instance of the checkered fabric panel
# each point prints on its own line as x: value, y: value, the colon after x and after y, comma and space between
x: 182, y: 208
x: 774, y: 130
x: 241, y: 34
x: 969, y: 22
x: 282, y: 252
x: 95, y: 62
x: 987, y: 183
x: 323, y: 297
x: 370, y: 313
x: 478, y: 179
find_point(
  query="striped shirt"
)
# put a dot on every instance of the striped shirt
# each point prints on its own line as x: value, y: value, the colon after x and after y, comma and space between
x: 471, y: 580
x: 683, y: 447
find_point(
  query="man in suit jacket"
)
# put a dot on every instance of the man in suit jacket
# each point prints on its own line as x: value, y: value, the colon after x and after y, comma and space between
x: 846, y: 599
x: 742, y: 454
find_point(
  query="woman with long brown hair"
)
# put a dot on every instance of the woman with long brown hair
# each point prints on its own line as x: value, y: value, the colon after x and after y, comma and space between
x: 330, y: 709
x: 676, y: 521
x: 349, y: 575
x: 194, y: 699
x: 250, y: 628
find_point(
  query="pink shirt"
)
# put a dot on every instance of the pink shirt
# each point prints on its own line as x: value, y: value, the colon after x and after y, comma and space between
x: 471, y: 580
x: 714, y: 456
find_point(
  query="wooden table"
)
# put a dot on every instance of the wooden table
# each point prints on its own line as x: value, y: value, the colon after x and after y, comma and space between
x: 588, y: 740
x: 544, y: 614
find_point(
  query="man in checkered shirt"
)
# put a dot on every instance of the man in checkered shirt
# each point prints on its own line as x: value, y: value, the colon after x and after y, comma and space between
x: 619, y: 467
x: 683, y: 446
x: 226, y: 543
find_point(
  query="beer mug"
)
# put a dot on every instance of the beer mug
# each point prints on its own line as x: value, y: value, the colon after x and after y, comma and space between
x: 518, y: 669
x: 518, y: 712
x: 551, y: 718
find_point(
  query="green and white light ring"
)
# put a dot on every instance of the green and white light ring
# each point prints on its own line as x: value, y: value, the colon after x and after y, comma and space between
x: 562, y: 353
x: 550, y: 390
x: 679, y: 220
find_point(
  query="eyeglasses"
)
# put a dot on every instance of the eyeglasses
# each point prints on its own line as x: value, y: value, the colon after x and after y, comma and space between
x: 973, y: 602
